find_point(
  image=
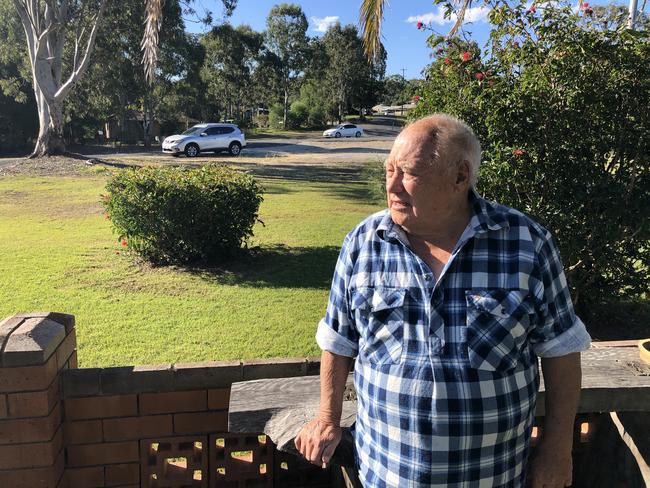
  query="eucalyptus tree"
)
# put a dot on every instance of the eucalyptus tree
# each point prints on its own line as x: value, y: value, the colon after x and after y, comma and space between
x: 231, y: 56
x: 49, y: 26
x: 286, y: 37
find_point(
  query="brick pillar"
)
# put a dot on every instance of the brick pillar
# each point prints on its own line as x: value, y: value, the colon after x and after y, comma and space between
x: 34, y: 349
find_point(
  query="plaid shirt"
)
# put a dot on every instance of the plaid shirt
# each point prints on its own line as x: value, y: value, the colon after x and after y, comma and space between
x: 446, y: 371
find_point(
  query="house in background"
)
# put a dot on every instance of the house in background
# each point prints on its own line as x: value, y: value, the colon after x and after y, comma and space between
x: 128, y: 127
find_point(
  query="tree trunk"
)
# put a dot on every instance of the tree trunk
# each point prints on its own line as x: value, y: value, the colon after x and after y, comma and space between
x: 50, y: 135
x: 286, y: 106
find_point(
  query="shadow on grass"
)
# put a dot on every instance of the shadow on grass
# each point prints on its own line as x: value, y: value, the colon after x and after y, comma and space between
x: 276, y: 267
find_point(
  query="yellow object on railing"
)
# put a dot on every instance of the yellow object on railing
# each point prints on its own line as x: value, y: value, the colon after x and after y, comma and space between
x: 644, y: 350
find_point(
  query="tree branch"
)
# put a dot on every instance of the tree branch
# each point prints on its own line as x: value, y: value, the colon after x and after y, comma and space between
x: 76, y: 73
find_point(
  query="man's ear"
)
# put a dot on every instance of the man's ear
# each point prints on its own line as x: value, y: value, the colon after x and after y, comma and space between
x: 463, y: 172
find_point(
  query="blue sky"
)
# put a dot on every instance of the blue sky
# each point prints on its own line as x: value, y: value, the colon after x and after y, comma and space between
x: 406, y: 46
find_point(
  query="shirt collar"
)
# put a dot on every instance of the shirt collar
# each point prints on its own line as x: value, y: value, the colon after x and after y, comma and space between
x: 485, y: 217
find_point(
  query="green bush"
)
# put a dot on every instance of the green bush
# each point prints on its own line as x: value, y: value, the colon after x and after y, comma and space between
x: 299, y: 113
x: 560, y: 104
x: 174, y: 215
x: 276, y: 116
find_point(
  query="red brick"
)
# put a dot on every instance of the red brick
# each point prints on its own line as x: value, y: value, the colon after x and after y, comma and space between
x: 104, y: 453
x: 28, y: 378
x: 137, y: 427
x: 65, y: 349
x: 3, y: 406
x: 33, y: 404
x: 189, y: 423
x: 83, y: 432
x: 43, y: 454
x: 87, y: 477
x: 101, y: 407
x: 34, y: 477
x: 119, y: 474
x: 172, y: 402
x: 73, y: 363
x: 219, y: 399
x: 40, y: 429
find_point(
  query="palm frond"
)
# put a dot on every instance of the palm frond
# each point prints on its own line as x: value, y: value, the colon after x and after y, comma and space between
x: 149, y: 45
x: 371, y: 14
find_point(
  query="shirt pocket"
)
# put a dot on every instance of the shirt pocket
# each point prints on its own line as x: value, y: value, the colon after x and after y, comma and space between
x: 379, y: 316
x: 497, y: 328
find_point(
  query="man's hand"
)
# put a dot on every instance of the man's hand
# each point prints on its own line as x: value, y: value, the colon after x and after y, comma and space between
x: 550, y: 467
x: 317, y: 441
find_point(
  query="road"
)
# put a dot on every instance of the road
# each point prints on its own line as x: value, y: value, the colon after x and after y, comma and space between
x: 311, y: 149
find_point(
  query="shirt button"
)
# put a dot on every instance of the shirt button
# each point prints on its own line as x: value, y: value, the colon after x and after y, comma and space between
x: 428, y: 277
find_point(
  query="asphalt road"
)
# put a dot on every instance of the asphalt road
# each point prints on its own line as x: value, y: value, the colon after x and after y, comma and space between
x: 378, y: 136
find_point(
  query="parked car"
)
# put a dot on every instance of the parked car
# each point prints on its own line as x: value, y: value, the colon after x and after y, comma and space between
x: 206, y: 137
x: 344, y: 130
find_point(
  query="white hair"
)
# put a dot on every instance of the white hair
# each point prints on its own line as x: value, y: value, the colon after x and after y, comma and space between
x: 453, y: 141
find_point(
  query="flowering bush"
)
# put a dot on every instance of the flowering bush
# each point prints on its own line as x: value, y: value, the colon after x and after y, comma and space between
x: 561, y: 109
x: 173, y: 215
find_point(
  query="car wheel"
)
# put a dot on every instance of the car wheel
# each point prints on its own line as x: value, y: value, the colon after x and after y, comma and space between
x: 234, y: 148
x: 338, y: 134
x: 192, y: 150
x: 358, y: 134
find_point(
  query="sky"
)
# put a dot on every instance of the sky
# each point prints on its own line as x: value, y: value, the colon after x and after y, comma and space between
x: 405, y: 44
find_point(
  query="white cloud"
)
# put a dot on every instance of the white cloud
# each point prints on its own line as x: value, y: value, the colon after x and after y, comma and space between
x: 322, y: 24
x: 473, y: 14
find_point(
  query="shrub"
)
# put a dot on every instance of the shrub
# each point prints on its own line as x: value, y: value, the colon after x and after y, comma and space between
x: 174, y: 215
x: 299, y: 113
x: 276, y: 116
x: 561, y: 107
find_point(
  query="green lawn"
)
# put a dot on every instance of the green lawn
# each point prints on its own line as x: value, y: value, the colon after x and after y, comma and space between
x: 58, y: 253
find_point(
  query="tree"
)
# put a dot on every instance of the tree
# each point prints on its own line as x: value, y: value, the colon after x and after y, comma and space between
x: 560, y: 105
x: 230, y: 59
x: 46, y: 27
x: 286, y: 27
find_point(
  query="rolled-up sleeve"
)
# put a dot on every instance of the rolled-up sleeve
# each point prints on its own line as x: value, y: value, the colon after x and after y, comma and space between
x: 336, y: 331
x: 558, y: 331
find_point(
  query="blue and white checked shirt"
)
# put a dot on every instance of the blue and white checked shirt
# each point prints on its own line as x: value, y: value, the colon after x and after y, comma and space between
x: 446, y: 371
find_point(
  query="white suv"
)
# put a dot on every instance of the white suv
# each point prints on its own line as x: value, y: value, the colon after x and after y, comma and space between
x: 206, y: 137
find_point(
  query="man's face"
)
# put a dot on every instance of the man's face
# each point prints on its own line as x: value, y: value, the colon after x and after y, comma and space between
x: 420, y: 195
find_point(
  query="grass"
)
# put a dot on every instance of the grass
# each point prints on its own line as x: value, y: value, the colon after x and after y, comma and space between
x: 58, y: 253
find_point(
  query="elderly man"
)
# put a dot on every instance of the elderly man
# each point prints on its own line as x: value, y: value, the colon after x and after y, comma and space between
x: 446, y: 300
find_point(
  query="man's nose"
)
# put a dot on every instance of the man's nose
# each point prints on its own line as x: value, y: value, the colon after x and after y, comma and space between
x: 394, y: 182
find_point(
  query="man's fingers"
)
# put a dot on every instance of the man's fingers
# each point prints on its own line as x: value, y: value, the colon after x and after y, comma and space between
x: 298, y: 441
x: 328, y: 452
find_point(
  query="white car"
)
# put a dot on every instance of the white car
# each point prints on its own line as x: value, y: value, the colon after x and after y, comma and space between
x: 206, y: 137
x: 344, y: 130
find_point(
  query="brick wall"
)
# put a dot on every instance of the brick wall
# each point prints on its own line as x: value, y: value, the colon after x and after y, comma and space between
x: 97, y: 427
x: 35, y: 350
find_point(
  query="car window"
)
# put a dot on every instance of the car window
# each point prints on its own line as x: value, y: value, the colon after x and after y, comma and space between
x: 350, y: 126
x: 227, y: 130
x: 192, y: 130
x: 213, y: 131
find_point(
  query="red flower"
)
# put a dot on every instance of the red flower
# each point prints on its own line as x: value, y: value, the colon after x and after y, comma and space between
x: 419, y: 24
x: 124, y: 243
x: 466, y: 56
x: 532, y: 9
x: 447, y: 60
x: 585, y: 5
x: 416, y: 98
x: 479, y: 76
x: 518, y: 152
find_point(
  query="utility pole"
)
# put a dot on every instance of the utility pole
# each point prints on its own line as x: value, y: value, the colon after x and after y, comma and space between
x: 404, y: 79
